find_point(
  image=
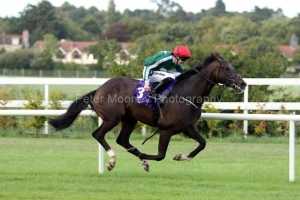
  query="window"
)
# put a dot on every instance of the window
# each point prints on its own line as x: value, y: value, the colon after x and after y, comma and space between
x: 76, y: 55
x: 15, y: 41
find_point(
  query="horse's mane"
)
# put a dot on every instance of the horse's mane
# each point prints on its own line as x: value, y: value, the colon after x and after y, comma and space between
x: 208, y: 60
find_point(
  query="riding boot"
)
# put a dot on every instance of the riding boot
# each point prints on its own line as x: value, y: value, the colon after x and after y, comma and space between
x: 161, y: 85
x: 158, y: 88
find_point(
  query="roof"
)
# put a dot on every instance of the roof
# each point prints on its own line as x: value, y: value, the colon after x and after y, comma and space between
x: 69, y: 46
x: 287, y: 50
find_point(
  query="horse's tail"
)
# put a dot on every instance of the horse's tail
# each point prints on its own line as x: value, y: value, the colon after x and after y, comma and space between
x: 65, y: 120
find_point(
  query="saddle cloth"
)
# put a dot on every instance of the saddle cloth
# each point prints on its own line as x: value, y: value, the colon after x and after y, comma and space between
x: 141, y: 96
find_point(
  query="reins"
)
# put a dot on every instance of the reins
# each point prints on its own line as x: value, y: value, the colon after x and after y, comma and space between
x: 199, y: 72
x: 230, y: 81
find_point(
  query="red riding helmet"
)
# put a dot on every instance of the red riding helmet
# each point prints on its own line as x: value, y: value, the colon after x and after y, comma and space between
x: 182, y: 51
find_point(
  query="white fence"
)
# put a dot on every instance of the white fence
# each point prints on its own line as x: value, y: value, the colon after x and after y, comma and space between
x: 243, y: 105
x: 246, y: 105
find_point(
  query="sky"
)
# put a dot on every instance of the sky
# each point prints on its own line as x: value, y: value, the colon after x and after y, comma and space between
x: 11, y: 8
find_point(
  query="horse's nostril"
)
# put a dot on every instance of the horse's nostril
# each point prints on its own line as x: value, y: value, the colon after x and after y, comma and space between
x: 243, y: 84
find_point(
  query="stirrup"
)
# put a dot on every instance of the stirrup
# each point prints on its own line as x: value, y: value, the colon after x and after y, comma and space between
x: 153, y: 95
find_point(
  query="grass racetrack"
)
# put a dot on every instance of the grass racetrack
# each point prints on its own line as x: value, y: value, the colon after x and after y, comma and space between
x: 56, y: 168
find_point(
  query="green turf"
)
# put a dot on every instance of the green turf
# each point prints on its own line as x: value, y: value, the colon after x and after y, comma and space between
x: 56, y: 168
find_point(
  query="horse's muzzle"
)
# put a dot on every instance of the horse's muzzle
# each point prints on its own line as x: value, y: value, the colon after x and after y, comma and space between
x: 240, y: 87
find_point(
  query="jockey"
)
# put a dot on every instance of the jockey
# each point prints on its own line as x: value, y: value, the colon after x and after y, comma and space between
x: 157, y: 68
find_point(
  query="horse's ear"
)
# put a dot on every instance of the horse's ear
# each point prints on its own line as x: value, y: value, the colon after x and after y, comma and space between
x: 217, y: 56
x: 213, y: 55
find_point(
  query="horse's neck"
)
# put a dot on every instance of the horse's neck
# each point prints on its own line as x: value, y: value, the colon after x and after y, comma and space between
x: 200, y: 86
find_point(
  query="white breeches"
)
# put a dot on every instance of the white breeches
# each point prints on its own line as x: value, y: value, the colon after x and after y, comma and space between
x: 158, y: 76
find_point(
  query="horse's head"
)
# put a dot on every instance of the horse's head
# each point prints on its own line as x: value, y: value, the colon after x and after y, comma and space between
x: 222, y: 73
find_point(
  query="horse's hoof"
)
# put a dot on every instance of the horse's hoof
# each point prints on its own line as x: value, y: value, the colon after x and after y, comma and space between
x: 177, y: 157
x: 146, y: 166
x: 110, y: 165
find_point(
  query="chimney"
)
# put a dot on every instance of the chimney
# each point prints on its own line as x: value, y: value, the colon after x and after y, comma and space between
x: 25, y: 37
x: 294, y: 41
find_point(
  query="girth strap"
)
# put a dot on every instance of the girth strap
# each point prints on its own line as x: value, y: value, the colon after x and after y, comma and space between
x: 155, y: 111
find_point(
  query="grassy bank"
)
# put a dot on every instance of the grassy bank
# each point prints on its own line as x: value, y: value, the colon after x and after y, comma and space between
x: 57, y: 168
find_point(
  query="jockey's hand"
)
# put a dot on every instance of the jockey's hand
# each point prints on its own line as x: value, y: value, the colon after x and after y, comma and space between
x: 147, y: 88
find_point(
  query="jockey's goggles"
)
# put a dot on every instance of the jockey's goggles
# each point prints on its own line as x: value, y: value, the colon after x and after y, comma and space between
x: 184, y: 58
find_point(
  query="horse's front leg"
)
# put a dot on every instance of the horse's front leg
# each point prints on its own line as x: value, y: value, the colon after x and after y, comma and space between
x: 191, y: 132
x: 164, y: 139
x: 128, y: 125
x: 133, y: 150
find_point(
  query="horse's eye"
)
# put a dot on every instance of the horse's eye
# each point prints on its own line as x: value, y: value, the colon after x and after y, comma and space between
x: 227, y: 69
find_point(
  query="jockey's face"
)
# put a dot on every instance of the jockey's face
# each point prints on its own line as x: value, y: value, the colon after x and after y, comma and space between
x: 179, y: 60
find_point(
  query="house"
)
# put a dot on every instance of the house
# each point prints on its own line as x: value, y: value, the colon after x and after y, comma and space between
x: 71, y: 51
x: 289, y: 50
x: 124, y: 53
x: 74, y: 51
x: 12, y: 42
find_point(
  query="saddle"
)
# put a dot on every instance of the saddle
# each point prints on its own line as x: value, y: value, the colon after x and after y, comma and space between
x: 152, y: 101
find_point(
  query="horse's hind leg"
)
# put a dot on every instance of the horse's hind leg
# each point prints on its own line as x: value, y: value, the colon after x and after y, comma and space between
x: 99, y: 135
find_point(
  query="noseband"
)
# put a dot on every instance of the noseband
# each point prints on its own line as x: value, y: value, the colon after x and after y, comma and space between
x: 230, y: 82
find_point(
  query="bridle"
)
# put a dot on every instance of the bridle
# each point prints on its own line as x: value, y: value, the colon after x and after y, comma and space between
x: 230, y: 82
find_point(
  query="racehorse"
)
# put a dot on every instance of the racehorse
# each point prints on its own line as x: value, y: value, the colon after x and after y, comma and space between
x: 179, y: 115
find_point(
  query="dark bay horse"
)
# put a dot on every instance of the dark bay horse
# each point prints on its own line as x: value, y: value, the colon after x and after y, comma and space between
x: 112, y: 103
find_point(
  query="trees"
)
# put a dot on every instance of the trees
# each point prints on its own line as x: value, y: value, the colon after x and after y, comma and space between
x: 279, y: 29
x: 78, y: 15
x: 76, y: 33
x: 3, y: 26
x: 170, y: 32
x: 235, y: 29
x: 91, y: 25
x: 212, y: 28
x: 20, y: 59
x: 14, y: 26
x: 220, y: 8
x: 43, y: 59
x: 112, y: 16
x: 102, y: 48
x: 137, y: 27
x: 116, y: 31
x: 166, y: 7
x: 224, y: 29
x: 40, y: 20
